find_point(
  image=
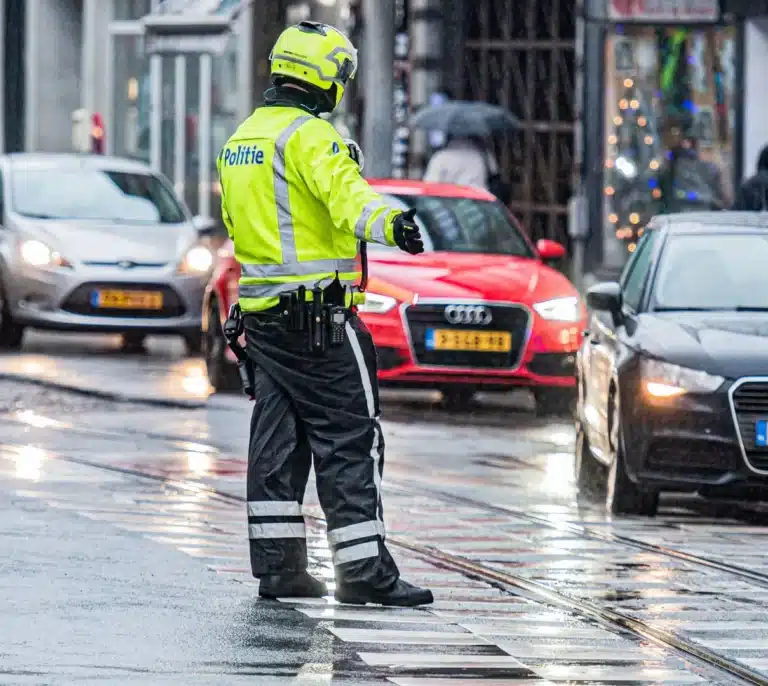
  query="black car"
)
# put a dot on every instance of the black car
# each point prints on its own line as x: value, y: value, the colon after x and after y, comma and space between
x: 673, y: 372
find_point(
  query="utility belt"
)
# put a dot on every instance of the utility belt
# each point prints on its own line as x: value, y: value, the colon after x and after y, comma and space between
x: 323, y: 317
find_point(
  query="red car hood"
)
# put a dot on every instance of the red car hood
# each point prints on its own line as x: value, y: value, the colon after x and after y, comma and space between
x: 467, y: 276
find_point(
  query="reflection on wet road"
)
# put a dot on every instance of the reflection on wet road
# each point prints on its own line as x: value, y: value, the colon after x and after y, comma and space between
x: 531, y: 582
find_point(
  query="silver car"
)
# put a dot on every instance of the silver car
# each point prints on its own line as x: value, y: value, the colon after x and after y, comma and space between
x: 92, y: 243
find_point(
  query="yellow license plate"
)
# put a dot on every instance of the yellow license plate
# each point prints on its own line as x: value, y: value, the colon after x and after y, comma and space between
x: 128, y: 300
x: 479, y: 341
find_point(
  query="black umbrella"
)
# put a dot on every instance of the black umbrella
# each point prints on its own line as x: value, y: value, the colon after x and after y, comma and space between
x: 463, y: 118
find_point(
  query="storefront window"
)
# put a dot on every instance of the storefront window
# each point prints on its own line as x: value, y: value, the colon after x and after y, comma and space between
x: 670, y: 107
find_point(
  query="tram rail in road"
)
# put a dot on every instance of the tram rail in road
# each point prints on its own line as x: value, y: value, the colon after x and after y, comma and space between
x: 721, y: 668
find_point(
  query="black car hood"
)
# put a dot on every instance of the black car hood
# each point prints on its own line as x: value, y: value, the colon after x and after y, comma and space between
x: 723, y: 343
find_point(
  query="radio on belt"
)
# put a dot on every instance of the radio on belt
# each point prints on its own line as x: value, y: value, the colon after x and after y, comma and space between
x: 322, y: 321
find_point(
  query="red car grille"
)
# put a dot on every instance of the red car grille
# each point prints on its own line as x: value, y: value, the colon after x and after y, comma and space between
x: 514, y: 319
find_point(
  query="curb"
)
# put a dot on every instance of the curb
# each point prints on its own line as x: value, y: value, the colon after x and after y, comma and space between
x: 104, y: 395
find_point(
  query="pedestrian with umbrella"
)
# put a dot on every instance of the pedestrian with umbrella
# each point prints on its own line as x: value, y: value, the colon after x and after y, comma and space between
x: 466, y: 159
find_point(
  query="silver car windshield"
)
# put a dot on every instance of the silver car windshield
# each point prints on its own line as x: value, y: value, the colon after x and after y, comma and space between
x: 713, y: 272
x: 93, y: 194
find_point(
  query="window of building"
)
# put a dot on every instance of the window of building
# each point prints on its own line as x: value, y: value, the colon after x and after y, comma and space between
x: 670, y: 104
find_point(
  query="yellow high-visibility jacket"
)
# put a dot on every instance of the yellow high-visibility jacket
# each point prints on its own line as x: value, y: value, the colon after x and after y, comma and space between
x: 295, y: 205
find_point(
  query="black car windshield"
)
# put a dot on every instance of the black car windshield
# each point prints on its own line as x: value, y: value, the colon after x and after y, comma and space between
x: 727, y: 271
x: 465, y: 225
x: 49, y: 192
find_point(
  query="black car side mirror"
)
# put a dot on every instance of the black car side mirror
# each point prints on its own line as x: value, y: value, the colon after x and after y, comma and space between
x: 605, y: 297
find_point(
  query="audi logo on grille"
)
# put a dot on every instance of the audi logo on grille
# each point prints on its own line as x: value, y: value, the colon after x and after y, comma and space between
x: 468, y: 314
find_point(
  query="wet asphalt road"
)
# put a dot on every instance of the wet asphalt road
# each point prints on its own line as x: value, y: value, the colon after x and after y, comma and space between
x: 123, y: 555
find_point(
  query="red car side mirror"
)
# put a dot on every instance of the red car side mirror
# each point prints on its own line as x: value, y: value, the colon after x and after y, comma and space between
x: 549, y: 250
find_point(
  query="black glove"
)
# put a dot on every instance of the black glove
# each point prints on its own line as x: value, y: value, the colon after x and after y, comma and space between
x: 407, y: 234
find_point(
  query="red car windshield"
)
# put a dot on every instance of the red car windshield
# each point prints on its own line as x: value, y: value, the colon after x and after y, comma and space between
x: 465, y: 225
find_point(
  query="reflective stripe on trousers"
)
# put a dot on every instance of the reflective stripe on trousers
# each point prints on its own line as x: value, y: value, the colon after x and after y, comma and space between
x: 275, y: 519
x: 363, y: 537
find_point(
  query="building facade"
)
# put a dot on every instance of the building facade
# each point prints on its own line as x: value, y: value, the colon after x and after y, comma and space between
x: 667, y: 80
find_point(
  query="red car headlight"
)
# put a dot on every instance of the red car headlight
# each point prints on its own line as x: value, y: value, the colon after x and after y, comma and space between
x: 566, y: 309
x: 376, y: 303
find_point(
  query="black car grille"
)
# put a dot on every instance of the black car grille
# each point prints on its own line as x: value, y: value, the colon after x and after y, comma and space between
x: 750, y: 404
x: 693, y: 457
x: 79, y: 301
x: 509, y: 318
x: 553, y: 364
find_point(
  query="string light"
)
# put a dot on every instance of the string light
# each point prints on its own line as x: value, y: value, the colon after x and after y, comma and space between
x: 627, y: 164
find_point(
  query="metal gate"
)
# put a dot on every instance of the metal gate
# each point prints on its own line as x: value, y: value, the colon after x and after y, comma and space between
x: 521, y: 55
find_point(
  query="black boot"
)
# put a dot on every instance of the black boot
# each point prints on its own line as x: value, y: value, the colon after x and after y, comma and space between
x: 294, y: 585
x: 401, y: 594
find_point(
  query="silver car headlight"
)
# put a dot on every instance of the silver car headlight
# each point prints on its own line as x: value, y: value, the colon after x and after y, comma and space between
x: 37, y: 254
x: 559, y: 309
x: 665, y: 380
x: 198, y: 260
x: 376, y: 303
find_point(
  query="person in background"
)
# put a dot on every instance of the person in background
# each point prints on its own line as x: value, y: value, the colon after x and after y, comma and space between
x: 467, y: 161
x: 752, y: 195
x: 689, y: 183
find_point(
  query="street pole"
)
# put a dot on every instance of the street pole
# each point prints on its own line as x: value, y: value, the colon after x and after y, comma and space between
x: 180, y: 124
x: 378, y: 86
x: 426, y: 74
x: 2, y: 76
x: 204, y: 136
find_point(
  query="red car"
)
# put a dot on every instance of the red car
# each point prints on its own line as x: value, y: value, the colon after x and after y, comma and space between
x: 478, y: 310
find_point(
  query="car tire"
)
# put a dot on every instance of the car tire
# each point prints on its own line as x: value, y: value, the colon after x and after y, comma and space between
x: 458, y: 399
x: 193, y: 342
x: 11, y: 333
x: 589, y: 474
x: 622, y: 495
x: 222, y: 374
x: 555, y: 402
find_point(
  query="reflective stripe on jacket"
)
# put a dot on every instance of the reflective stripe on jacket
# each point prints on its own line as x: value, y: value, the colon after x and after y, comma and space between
x: 295, y: 205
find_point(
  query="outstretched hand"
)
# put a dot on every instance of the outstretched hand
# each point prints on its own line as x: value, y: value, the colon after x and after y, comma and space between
x: 407, y: 235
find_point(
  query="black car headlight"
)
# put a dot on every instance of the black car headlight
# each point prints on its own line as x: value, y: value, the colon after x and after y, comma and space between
x: 663, y: 380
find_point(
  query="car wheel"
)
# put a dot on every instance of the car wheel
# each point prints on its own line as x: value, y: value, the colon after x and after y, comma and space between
x: 222, y: 374
x: 555, y: 402
x: 458, y: 399
x: 589, y: 474
x: 622, y: 495
x: 11, y: 333
x: 193, y: 342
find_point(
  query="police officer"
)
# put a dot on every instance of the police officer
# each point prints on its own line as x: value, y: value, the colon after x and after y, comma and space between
x: 296, y: 205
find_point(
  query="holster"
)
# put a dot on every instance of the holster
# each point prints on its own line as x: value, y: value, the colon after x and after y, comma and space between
x: 233, y: 328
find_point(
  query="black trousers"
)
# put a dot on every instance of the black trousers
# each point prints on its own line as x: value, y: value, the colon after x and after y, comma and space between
x: 322, y: 407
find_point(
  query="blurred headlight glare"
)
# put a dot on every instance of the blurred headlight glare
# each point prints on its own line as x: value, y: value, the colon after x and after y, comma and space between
x: 664, y: 380
x: 377, y: 304
x: 38, y: 254
x: 199, y: 260
x: 559, y: 309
